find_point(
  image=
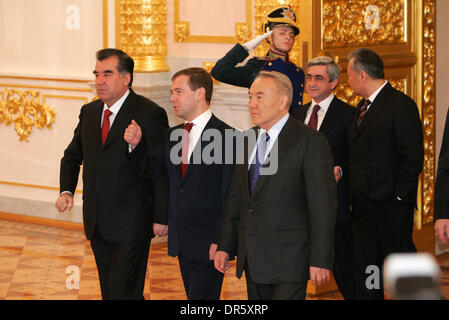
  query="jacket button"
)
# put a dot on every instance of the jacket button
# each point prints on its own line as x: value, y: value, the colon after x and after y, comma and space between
x: 250, y: 211
x: 181, y: 190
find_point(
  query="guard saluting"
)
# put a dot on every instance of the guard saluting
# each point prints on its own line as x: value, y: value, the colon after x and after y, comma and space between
x: 280, y: 30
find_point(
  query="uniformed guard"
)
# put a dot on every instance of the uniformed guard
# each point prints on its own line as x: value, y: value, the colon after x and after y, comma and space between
x: 280, y: 30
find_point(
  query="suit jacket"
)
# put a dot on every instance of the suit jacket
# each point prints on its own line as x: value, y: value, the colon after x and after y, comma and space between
x: 225, y: 70
x: 288, y: 222
x: 441, y: 210
x: 114, y: 198
x: 197, y: 201
x: 386, y: 150
x: 336, y: 127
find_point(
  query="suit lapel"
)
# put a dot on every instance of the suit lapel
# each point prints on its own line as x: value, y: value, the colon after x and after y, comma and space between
x: 282, y: 145
x: 301, y: 112
x: 374, y: 110
x: 199, y: 146
x: 96, y: 122
x: 329, y: 117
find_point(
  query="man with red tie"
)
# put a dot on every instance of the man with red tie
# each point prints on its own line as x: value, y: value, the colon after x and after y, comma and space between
x: 333, y: 117
x: 198, y: 187
x: 119, y: 209
x: 385, y: 160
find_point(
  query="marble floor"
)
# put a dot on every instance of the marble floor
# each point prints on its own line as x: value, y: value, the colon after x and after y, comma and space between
x: 48, y: 263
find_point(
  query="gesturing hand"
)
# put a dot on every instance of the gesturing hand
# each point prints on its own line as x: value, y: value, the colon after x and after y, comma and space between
x: 133, y: 134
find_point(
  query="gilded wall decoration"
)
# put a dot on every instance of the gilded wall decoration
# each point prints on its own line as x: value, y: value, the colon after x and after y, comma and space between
x: 25, y: 110
x: 428, y: 109
x: 242, y: 29
x: 261, y: 10
x: 352, y: 23
x: 142, y: 32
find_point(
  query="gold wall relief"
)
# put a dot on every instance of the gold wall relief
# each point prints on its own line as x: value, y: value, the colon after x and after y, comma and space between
x: 141, y: 31
x: 363, y: 22
x: 25, y: 109
x: 182, y: 29
x: 428, y: 108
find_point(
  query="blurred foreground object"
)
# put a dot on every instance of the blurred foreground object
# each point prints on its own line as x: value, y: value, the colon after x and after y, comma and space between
x: 412, y: 276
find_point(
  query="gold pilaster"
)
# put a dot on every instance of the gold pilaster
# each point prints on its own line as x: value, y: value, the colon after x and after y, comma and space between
x: 141, y: 31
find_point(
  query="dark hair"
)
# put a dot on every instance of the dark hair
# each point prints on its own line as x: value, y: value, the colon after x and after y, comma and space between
x: 198, y: 78
x: 125, y: 62
x: 368, y: 61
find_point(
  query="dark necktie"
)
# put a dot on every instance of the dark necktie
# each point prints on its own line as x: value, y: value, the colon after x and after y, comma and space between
x: 363, y: 110
x: 313, y: 121
x: 106, y: 125
x: 185, y: 148
x: 254, y: 169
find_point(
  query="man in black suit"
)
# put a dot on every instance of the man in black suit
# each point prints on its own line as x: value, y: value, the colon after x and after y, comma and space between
x: 118, y: 208
x: 386, y: 157
x: 199, y: 180
x: 282, y: 205
x: 333, y: 117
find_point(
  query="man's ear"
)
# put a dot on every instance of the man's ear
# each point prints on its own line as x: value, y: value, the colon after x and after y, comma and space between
x: 283, y: 102
x: 200, y: 93
x: 127, y: 78
x: 334, y: 84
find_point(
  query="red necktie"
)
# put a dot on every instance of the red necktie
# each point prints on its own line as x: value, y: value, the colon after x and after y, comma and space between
x: 313, y: 121
x: 363, y: 110
x: 106, y: 125
x: 185, y: 148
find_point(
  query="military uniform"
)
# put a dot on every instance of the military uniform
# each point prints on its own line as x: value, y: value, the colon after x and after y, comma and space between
x: 225, y: 70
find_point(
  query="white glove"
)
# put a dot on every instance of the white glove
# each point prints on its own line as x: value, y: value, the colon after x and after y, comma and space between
x: 250, y: 45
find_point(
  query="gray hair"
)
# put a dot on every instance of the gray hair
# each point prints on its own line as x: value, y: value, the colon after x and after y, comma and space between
x: 282, y: 81
x: 368, y: 61
x: 333, y: 69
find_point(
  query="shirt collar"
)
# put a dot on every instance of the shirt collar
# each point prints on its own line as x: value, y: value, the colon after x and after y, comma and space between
x: 115, y: 108
x: 324, y: 105
x: 375, y: 93
x: 202, y: 119
x: 276, y: 128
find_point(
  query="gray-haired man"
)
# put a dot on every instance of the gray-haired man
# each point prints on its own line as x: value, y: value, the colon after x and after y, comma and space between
x: 333, y: 117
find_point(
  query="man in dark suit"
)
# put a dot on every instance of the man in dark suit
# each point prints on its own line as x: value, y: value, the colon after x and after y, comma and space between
x: 199, y: 180
x: 281, y: 210
x: 118, y: 208
x: 441, y: 211
x: 386, y: 157
x: 333, y: 117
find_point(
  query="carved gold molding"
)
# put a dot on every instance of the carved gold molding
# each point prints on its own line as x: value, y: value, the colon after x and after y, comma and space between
x: 428, y: 108
x: 261, y: 10
x: 141, y: 31
x: 25, y: 110
x: 182, y: 29
x: 365, y: 22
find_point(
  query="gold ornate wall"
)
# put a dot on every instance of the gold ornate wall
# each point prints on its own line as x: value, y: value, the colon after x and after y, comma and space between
x: 141, y: 31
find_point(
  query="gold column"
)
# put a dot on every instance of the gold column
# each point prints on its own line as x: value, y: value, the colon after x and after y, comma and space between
x: 141, y: 31
x: 428, y: 107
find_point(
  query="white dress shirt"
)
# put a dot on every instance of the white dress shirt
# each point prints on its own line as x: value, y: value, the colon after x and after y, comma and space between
x: 324, y: 105
x: 199, y: 123
x: 374, y: 95
x: 273, y: 133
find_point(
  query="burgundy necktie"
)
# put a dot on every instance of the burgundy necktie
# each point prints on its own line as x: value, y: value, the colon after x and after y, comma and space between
x: 313, y: 121
x: 106, y: 125
x: 185, y: 148
x: 363, y: 110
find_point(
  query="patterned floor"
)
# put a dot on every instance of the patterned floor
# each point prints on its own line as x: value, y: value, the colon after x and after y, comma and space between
x: 48, y: 263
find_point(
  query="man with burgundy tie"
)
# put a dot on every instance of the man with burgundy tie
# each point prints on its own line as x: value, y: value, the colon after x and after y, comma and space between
x: 119, y: 210
x: 198, y: 186
x: 280, y: 223
x: 333, y: 117
x: 386, y: 158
